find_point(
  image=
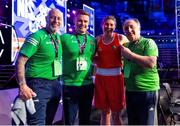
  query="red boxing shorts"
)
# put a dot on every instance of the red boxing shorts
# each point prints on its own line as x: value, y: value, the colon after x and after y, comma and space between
x: 109, y: 92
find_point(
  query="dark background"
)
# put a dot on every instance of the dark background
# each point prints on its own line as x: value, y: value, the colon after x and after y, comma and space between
x: 156, y: 16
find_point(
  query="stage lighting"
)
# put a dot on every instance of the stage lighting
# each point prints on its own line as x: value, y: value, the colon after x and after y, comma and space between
x: 69, y: 25
x: 68, y: 15
x: 74, y: 12
x: 70, y: 30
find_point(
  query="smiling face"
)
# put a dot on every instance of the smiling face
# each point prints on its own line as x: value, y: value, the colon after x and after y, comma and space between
x: 81, y: 23
x: 53, y: 21
x: 108, y: 26
x: 131, y: 29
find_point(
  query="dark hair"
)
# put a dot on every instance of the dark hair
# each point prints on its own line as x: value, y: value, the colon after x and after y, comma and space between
x: 107, y: 18
x: 81, y: 12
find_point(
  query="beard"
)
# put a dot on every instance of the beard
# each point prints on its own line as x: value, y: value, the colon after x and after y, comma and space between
x: 53, y: 30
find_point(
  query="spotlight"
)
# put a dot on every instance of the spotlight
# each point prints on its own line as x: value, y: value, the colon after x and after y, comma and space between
x: 74, y: 12
x: 70, y: 30
x: 69, y: 25
x: 68, y: 15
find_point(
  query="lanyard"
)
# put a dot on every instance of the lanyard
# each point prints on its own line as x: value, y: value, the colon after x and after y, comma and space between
x: 83, y: 45
x: 54, y: 43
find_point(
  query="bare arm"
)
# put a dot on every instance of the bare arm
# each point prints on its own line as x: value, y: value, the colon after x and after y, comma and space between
x: 96, y: 54
x: 24, y: 91
x: 144, y: 61
x: 20, y: 69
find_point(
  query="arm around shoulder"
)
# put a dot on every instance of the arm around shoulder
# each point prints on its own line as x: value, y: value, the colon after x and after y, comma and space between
x: 123, y: 39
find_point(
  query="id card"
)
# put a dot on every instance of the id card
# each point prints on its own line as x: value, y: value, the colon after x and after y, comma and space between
x: 57, y: 67
x: 127, y: 70
x: 81, y: 64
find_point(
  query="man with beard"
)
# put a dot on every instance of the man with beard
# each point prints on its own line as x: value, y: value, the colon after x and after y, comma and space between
x: 38, y: 68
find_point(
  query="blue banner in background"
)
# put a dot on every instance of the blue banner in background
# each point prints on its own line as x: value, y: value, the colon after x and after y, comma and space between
x: 29, y: 15
x: 91, y: 12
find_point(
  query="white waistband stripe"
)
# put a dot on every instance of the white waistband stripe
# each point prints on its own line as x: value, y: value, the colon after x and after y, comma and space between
x: 109, y: 71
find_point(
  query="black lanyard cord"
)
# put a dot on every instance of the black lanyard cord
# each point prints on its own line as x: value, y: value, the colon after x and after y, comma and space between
x: 83, y: 45
x: 54, y: 43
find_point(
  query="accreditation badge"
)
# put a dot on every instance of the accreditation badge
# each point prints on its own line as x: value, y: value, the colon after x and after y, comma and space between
x: 81, y: 63
x: 57, y: 67
x: 127, y: 70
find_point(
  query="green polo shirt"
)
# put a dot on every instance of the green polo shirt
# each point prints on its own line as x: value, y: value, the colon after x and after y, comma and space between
x: 139, y: 78
x: 71, y: 76
x: 39, y: 48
